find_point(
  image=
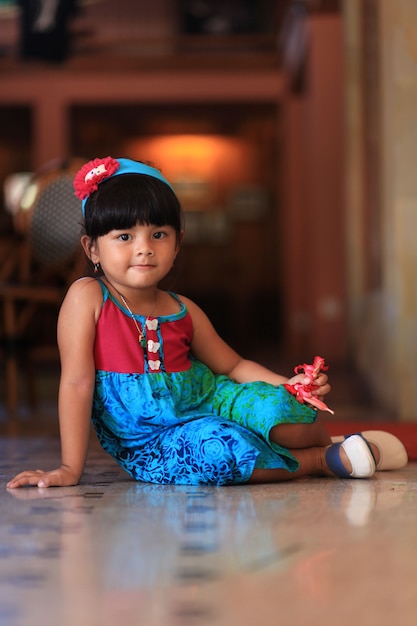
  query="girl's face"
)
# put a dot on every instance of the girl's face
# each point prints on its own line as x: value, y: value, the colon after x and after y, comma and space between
x: 137, y: 258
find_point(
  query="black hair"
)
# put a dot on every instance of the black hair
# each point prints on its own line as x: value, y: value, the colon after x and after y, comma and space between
x: 128, y: 199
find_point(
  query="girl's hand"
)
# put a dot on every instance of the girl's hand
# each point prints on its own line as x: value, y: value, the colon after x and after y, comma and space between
x: 311, y: 391
x: 62, y: 477
x: 313, y: 377
x: 321, y: 385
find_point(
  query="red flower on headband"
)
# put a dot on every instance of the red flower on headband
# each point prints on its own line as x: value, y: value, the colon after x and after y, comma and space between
x: 91, y: 174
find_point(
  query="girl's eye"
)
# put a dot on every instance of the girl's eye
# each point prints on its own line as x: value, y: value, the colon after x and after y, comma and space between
x: 158, y: 235
x: 125, y: 237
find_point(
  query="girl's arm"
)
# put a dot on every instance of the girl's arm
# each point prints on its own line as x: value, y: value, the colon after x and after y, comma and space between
x: 209, y: 348
x: 76, y: 334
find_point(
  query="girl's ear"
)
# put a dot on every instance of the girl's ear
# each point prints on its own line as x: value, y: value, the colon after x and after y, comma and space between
x: 90, y: 249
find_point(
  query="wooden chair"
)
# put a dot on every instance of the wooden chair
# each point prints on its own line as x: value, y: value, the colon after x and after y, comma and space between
x: 45, y: 259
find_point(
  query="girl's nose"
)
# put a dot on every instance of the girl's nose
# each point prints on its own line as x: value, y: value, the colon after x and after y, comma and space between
x: 144, y: 247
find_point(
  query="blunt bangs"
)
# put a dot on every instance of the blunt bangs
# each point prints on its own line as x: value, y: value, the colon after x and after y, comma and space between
x: 129, y: 199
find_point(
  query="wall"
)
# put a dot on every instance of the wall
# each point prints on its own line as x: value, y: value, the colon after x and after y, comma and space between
x: 313, y: 220
x: 383, y: 312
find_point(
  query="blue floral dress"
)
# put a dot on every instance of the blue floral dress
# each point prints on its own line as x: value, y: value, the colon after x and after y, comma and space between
x: 166, y: 418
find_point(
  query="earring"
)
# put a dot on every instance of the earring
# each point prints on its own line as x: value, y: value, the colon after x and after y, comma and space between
x: 96, y: 268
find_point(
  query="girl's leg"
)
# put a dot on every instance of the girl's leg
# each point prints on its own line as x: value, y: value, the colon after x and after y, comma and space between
x: 302, y: 436
x: 294, y: 436
x: 312, y: 463
x: 308, y: 444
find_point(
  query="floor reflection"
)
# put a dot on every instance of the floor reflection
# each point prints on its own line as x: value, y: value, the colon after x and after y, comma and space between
x: 111, y: 550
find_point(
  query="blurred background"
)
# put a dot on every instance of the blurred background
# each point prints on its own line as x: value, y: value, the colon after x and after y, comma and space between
x: 287, y: 129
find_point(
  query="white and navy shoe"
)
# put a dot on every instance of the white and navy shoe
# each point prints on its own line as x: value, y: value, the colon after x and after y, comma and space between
x: 360, y: 456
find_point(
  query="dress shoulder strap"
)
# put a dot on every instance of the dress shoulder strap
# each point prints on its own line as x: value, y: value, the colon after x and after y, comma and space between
x: 176, y: 297
x: 104, y: 290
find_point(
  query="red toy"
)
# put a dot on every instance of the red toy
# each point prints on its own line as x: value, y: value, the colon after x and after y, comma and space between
x: 304, y: 392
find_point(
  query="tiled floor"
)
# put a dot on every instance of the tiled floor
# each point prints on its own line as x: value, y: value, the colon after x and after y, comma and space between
x: 111, y: 551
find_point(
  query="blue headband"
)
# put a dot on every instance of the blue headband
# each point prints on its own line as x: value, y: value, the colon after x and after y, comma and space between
x: 95, y: 172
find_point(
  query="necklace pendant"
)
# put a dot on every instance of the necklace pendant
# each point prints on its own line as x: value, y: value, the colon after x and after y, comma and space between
x: 142, y: 340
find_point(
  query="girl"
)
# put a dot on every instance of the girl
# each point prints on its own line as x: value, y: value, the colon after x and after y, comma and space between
x: 169, y: 399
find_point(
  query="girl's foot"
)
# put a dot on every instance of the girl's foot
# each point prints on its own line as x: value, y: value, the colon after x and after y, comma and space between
x: 351, y: 458
x: 389, y: 452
